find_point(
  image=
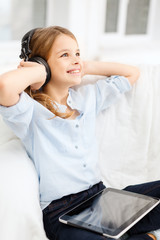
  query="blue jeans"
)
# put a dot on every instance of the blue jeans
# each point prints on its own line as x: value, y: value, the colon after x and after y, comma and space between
x: 59, y: 231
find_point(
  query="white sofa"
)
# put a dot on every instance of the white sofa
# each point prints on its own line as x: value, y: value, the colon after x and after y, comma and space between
x: 129, y: 141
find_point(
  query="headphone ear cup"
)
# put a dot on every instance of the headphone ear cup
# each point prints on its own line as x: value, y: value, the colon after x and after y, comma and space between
x: 43, y: 62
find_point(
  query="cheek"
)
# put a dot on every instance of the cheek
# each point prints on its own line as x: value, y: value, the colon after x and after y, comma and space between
x: 59, y: 73
x: 57, y: 69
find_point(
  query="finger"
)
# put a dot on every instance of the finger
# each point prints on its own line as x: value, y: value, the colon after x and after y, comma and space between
x: 21, y: 63
x: 28, y: 64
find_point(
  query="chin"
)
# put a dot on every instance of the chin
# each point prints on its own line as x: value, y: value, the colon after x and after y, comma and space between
x: 76, y: 82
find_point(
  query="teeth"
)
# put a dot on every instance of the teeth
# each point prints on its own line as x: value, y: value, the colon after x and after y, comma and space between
x: 74, y: 71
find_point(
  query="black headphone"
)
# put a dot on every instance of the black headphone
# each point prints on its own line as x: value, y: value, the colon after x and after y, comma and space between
x: 25, y: 51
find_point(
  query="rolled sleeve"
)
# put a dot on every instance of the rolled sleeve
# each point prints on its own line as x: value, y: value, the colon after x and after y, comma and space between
x: 18, y: 117
x: 109, y: 90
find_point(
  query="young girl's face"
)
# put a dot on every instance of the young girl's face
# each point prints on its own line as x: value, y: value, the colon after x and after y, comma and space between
x: 65, y: 62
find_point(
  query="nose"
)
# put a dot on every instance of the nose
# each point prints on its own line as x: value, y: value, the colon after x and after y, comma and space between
x: 75, y: 60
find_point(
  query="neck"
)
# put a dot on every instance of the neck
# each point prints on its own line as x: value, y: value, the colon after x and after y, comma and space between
x: 56, y: 93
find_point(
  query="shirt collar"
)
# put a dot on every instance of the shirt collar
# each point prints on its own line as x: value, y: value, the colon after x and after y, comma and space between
x: 75, y: 100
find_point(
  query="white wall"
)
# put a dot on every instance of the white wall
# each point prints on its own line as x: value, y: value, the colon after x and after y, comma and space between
x: 88, y: 24
x: 85, y: 18
x: 21, y: 17
x: 58, y: 13
x: 85, y: 22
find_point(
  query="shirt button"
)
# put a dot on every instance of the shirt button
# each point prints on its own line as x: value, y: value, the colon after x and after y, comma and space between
x: 69, y: 101
x: 76, y: 147
x: 77, y: 125
x: 84, y: 165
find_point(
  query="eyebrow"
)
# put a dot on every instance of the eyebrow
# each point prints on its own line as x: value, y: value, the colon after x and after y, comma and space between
x: 67, y: 50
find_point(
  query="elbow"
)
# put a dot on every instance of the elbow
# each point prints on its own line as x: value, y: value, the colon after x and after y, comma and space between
x: 2, y: 86
x: 5, y: 95
x: 2, y: 82
x: 135, y: 76
x: 2, y: 91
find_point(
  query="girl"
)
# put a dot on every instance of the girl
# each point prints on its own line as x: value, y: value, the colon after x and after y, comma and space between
x: 56, y: 124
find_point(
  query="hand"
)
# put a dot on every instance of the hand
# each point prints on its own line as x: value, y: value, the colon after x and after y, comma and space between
x: 27, y: 64
x: 39, y: 68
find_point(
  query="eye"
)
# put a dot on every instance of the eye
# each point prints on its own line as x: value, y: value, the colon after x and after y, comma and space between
x: 78, y: 54
x: 64, y: 55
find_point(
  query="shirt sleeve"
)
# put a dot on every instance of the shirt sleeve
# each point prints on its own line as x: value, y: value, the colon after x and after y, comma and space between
x: 109, y: 90
x: 19, y: 116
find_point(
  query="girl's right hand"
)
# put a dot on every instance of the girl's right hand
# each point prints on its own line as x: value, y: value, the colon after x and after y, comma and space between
x: 27, y: 64
x: 14, y: 82
x: 40, y: 68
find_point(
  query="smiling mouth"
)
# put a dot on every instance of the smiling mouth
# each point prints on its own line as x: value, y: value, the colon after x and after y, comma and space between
x: 74, y: 71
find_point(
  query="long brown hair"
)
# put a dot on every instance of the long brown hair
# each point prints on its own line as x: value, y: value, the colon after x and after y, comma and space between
x: 40, y: 45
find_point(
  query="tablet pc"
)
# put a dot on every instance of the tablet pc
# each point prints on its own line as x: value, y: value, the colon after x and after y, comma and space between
x: 111, y: 212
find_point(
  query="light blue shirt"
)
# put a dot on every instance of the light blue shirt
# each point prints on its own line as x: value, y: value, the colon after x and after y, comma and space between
x: 64, y: 151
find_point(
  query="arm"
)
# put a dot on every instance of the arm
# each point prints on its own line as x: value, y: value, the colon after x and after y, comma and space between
x: 108, y: 69
x: 14, y: 82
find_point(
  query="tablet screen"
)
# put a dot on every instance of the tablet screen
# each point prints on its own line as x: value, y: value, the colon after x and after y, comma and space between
x: 110, y: 212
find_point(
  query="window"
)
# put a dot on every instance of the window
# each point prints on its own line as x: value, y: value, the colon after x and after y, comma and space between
x: 112, y: 11
x: 5, y: 20
x: 19, y: 16
x: 137, y: 16
x: 127, y: 17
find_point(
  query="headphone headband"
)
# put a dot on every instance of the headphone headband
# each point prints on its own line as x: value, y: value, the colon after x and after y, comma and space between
x: 25, y: 44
